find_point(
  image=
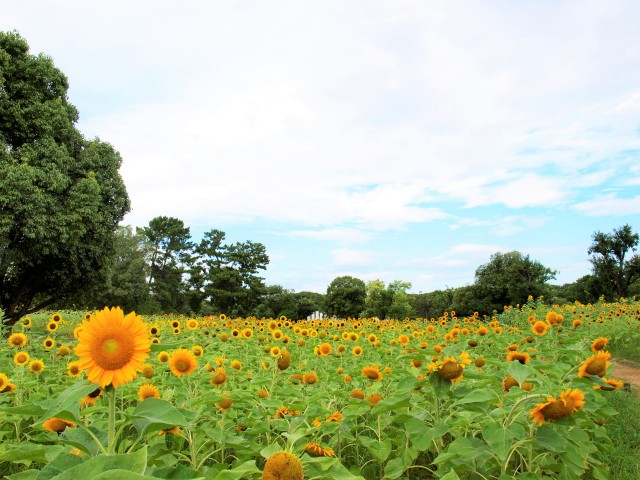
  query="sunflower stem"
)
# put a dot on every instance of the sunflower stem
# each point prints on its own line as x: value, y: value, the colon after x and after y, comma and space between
x: 111, y: 428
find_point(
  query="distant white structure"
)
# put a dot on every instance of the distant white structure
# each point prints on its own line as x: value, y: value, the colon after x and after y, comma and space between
x: 316, y: 315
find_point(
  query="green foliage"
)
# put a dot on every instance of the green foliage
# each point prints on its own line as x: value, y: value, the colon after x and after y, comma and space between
x: 345, y: 297
x: 61, y: 196
x: 611, y: 264
x: 387, y: 302
x: 509, y: 278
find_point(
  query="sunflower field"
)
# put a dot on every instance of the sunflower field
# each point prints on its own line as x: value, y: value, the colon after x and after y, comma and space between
x: 110, y: 394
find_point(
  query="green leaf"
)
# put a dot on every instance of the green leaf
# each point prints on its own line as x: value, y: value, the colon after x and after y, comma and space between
x: 241, y: 471
x: 391, y: 403
x: 155, y: 414
x: 26, y: 453
x: 30, y: 410
x: 67, y: 404
x: 269, y: 450
x: 478, y: 396
x: 380, y: 450
x: 59, y: 464
x: 135, y: 462
x: 119, y: 474
x: 521, y: 372
x: 499, y: 439
x: 24, y: 475
x: 549, y: 439
x: 327, y: 467
x: 452, y: 475
x: 394, y: 468
x: 80, y: 439
x: 422, y: 437
x: 178, y: 472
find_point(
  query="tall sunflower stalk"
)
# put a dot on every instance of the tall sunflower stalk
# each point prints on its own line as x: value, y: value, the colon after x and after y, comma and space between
x: 112, y: 348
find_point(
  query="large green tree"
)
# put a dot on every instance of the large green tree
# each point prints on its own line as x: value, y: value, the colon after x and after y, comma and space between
x: 227, y: 276
x: 509, y: 278
x: 345, y: 297
x: 61, y: 196
x: 168, y: 245
x: 614, y: 262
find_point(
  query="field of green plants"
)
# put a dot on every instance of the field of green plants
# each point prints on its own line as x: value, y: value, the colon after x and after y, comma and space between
x: 526, y: 394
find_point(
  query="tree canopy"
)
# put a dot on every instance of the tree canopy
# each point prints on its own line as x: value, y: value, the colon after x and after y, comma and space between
x: 345, y: 297
x: 61, y: 196
x: 614, y: 261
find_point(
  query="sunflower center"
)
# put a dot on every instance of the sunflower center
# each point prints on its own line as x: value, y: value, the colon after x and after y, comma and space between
x: 450, y: 370
x: 597, y: 367
x: 113, y: 352
x: 182, y: 365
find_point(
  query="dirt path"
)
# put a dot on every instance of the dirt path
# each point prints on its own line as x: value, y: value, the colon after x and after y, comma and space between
x: 629, y: 372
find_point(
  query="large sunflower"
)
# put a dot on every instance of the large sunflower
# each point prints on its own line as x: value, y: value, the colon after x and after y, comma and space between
x: 554, y: 409
x: 596, y: 365
x: 183, y: 362
x: 113, y: 347
x: 282, y: 466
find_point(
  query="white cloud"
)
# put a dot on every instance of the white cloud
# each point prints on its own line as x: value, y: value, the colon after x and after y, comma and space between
x: 609, y: 205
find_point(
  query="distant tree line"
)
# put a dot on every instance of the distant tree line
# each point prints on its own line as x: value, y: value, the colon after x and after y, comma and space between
x: 62, y: 200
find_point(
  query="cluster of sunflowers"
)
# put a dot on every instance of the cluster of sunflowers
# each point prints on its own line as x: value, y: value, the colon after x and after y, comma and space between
x: 327, y: 375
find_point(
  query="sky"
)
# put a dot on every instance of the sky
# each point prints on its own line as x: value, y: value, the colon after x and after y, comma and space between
x: 406, y: 140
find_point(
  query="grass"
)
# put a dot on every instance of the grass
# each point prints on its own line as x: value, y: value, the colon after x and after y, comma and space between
x: 624, y: 431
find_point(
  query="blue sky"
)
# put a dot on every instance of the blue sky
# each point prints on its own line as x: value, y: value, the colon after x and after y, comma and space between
x: 405, y: 140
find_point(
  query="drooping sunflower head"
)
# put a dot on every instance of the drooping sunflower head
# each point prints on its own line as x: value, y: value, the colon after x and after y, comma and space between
x: 570, y: 401
x: 599, y: 344
x: 63, y: 351
x: 357, y: 393
x: 372, y: 373
x: 596, y: 365
x: 450, y: 369
x: 236, y: 365
x: 611, y: 384
x: 113, y: 347
x: 218, y: 376
x: 183, y: 362
x: 374, y: 399
x: 316, y: 450
x: 284, y: 361
x: 310, y: 378
x: 282, y: 466
x: 58, y: 425
x: 521, y: 357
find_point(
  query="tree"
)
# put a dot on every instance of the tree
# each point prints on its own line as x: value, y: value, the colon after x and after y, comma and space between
x: 509, y: 278
x: 345, y: 297
x: 61, y: 196
x: 127, y: 276
x: 610, y: 263
x: 229, y: 273
x: 169, y: 243
x: 400, y: 305
x: 391, y: 301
